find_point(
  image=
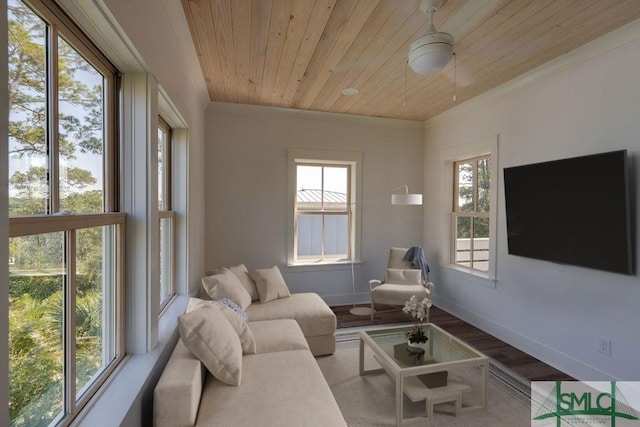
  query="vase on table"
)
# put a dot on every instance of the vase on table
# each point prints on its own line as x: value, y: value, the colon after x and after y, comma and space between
x: 415, y: 344
x: 416, y: 337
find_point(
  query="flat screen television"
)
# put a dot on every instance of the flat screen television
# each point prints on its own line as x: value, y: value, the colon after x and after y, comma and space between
x: 572, y: 211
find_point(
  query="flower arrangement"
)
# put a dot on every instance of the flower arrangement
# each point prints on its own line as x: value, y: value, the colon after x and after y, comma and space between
x: 419, y: 310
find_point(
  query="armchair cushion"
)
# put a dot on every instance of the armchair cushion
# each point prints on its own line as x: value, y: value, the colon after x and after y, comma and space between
x: 403, y: 276
x: 394, y: 294
x: 396, y: 258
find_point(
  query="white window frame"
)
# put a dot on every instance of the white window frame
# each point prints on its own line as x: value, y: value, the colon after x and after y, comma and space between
x: 326, y: 158
x: 74, y: 400
x: 482, y: 147
x: 149, y: 337
x: 472, y: 215
x: 166, y: 213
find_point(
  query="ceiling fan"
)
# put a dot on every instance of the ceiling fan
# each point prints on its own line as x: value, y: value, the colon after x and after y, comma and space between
x: 430, y: 53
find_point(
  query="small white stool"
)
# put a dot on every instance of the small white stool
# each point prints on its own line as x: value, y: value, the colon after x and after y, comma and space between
x: 452, y: 392
x: 456, y: 398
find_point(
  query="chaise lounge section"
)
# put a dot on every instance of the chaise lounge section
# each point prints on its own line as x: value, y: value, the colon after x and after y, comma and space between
x: 281, y: 385
x: 263, y: 295
x: 316, y: 320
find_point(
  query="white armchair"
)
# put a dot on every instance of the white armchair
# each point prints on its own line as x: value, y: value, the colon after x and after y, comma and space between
x: 401, y: 282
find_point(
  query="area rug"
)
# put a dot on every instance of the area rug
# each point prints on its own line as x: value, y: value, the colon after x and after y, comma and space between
x: 370, y: 400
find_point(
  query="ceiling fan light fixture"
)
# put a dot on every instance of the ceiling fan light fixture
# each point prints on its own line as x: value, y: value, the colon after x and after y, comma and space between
x: 430, y: 53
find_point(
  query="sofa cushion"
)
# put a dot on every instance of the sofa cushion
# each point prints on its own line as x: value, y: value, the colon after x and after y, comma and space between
x: 278, y: 335
x: 310, y: 311
x: 247, y: 340
x: 270, y: 284
x: 249, y: 285
x: 284, y: 388
x: 211, y: 338
x: 226, y: 285
x: 403, y: 276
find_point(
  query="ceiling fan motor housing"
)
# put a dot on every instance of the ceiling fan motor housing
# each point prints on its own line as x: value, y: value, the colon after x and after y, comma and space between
x: 430, y: 5
x: 431, y: 53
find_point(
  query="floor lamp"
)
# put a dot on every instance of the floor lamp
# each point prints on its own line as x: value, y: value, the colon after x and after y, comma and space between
x: 404, y: 199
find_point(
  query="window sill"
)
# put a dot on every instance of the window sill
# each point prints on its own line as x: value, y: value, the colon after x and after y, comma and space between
x: 323, y: 265
x: 487, y: 278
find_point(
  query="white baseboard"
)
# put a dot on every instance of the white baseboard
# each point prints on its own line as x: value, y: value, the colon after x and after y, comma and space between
x: 548, y: 355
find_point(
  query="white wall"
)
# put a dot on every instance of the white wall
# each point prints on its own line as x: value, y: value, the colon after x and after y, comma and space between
x: 583, y: 103
x: 160, y: 35
x: 246, y: 190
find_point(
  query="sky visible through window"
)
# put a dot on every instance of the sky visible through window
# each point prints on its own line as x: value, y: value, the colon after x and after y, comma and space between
x: 311, y: 177
x: 77, y: 74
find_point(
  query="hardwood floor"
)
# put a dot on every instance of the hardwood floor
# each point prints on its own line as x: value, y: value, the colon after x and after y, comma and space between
x: 516, y: 360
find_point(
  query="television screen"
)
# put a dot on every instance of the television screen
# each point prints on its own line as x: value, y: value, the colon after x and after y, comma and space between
x: 572, y: 211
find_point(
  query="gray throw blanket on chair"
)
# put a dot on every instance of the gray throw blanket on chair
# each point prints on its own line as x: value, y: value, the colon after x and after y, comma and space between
x: 415, y: 255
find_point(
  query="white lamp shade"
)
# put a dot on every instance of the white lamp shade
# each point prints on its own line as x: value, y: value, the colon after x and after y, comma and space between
x: 406, y: 199
x: 431, y: 53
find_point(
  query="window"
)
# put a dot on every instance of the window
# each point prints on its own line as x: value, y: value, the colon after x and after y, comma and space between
x: 471, y: 213
x: 65, y: 284
x: 324, y: 210
x: 166, y: 214
x: 323, y: 213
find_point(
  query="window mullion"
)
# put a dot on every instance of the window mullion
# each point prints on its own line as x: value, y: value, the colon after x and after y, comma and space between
x: 53, y: 121
x: 474, y: 183
x: 456, y: 186
x: 322, y: 249
x: 69, y: 316
x: 322, y: 188
x: 110, y: 121
x: 472, y: 240
x: 322, y: 243
x: 168, y: 171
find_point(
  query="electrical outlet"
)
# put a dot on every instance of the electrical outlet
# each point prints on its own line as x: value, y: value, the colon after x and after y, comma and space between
x: 604, y: 346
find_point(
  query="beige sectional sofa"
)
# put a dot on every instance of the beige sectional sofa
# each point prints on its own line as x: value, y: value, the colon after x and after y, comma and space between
x: 281, y: 385
x: 263, y: 295
x: 245, y: 356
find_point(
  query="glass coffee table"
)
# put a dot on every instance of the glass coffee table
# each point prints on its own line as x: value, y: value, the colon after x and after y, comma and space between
x: 426, y: 373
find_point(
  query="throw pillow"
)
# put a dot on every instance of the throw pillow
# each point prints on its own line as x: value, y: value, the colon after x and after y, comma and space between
x: 210, y: 337
x: 402, y: 276
x: 247, y: 340
x: 270, y: 284
x: 243, y: 275
x: 235, y: 307
x: 226, y: 285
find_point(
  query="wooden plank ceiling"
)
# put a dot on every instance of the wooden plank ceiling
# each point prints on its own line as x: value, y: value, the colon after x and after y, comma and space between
x: 302, y: 53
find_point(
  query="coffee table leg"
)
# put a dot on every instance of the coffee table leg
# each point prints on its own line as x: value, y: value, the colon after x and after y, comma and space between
x: 399, y: 399
x: 485, y: 381
x: 361, y: 356
x: 364, y: 371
